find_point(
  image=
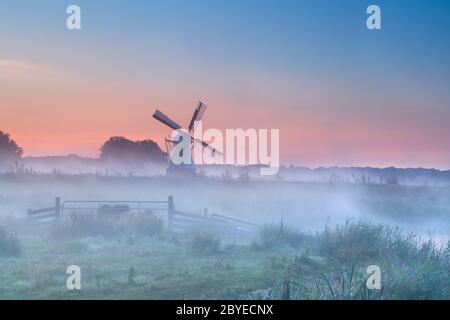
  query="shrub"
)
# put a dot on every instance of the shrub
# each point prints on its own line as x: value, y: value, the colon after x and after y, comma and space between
x: 9, y: 243
x: 205, y: 243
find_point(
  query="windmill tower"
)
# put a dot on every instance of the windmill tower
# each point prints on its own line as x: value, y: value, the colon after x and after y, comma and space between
x: 183, y: 169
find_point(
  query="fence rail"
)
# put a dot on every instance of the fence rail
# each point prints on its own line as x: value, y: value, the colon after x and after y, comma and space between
x: 176, y: 219
x: 46, y: 213
x: 113, y: 207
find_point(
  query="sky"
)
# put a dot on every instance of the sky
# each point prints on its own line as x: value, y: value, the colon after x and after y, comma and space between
x: 341, y: 95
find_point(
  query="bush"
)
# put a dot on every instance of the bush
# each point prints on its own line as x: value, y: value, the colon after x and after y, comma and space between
x: 9, y: 243
x: 279, y: 235
x: 205, y: 243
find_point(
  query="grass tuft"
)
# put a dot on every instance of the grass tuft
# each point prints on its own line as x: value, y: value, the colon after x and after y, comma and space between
x: 278, y: 235
x: 205, y: 243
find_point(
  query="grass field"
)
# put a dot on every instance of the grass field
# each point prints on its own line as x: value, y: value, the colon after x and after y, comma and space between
x: 280, y: 263
x: 313, y: 241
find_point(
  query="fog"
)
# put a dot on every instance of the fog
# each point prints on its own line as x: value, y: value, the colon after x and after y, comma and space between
x: 306, y: 205
x: 126, y: 253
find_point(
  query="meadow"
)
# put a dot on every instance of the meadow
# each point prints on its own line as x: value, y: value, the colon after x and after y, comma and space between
x: 311, y: 241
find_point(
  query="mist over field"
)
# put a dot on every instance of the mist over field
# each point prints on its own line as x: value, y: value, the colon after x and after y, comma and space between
x: 140, y: 230
x: 125, y: 255
x: 307, y: 205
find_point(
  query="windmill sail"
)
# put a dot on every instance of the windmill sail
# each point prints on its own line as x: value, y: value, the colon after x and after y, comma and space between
x: 207, y: 145
x: 158, y: 115
x: 198, y: 115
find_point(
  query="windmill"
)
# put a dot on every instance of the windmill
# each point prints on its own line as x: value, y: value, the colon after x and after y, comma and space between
x: 183, y: 169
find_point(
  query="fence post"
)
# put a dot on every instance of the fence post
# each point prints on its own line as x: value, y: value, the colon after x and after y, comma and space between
x: 58, y: 207
x: 170, y: 213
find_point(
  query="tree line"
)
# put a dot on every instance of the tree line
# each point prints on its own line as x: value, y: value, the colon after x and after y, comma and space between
x: 118, y: 149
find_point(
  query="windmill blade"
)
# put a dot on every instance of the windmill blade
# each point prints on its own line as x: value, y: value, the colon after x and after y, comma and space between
x: 198, y: 115
x: 158, y: 115
x: 207, y: 145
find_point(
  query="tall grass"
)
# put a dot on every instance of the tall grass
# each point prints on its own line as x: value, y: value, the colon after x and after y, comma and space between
x: 84, y: 225
x: 368, y: 242
x: 410, y: 267
x: 9, y: 243
x: 87, y: 225
x: 146, y: 224
x: 278, y: 235
x: 204, y: 243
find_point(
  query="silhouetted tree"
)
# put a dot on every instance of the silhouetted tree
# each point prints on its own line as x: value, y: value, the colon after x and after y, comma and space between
x: 9, y: 150
x: 123, y: 150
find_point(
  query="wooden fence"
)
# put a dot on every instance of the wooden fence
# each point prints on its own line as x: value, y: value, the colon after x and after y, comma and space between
x: 46, y: 214
x: 183, y: 221
x: 177, y: 220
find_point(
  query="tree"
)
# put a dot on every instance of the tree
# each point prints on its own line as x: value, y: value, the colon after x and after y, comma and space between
x: 9, y: 150
x: 124, y: 150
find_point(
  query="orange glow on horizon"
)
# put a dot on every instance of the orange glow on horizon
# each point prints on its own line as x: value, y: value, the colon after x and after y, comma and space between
x: 48, y: 113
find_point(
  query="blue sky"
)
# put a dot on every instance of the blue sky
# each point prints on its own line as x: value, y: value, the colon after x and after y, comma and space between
x: 310, y: 67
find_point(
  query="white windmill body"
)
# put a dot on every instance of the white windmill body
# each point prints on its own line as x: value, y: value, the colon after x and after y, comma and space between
x: 184, y: 169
